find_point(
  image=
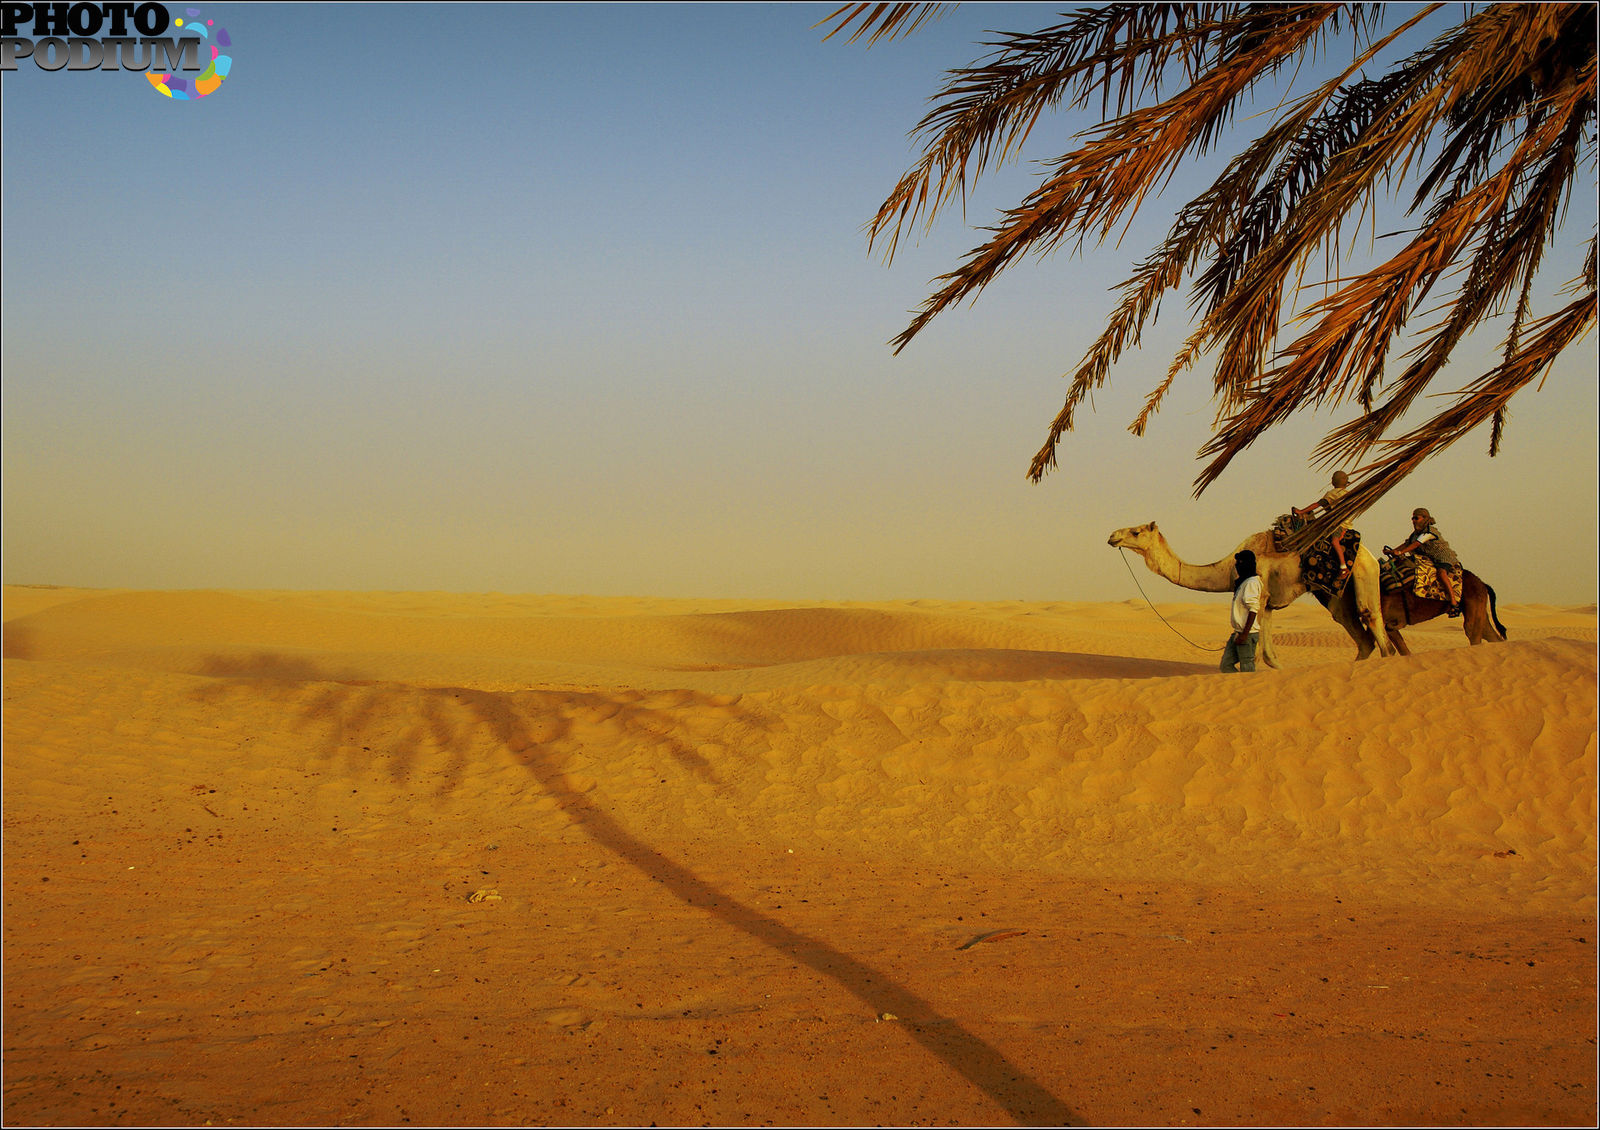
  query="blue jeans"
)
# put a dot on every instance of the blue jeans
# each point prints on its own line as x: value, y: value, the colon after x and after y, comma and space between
x: 1239, y: 656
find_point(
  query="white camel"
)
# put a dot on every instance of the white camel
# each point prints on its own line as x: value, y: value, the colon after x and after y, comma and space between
x: 1280, y: 574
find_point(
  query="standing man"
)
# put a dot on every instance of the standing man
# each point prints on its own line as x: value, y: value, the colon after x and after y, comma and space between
x: 1239, y: 653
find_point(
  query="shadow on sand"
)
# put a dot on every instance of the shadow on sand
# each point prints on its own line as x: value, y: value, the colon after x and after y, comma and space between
x: 525, y: 723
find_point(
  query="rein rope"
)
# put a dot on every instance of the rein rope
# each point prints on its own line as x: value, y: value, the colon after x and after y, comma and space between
x: 1156, y: 610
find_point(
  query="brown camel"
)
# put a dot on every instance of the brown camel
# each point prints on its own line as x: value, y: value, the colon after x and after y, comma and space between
x: 1402, y: 608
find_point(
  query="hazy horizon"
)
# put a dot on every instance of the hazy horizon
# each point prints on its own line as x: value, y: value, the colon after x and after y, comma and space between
x: 388, y: 311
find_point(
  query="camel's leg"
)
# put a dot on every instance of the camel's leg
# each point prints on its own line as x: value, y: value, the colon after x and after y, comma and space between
x: 1475, y: 618
x: 1365, y: 641
x: 1396, y: 617
x: 1345, y: 614
x: 1264, y: 650
x: 1369, y: 600
x: 1478, y: 627
x: 1499, y: 633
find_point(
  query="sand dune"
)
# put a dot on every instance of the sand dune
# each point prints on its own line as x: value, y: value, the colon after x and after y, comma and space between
x: 242, y: 830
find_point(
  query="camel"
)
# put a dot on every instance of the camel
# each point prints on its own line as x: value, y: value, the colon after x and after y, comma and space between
x: 1358, y: 614
x: 1402, y: 608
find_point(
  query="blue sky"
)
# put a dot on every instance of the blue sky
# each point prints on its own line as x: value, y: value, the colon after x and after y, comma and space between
x: 577, y: 299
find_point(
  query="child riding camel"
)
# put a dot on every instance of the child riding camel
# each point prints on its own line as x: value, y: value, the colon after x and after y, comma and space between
x: 1339, y: 489
x: 1426, y: 540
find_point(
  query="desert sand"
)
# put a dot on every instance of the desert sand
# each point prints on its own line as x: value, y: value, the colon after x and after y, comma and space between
x: 385, y: 858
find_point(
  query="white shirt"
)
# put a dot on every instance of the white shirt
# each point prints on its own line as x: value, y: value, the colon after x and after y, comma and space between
x: 1247, y: 599
x: 1334, y: 495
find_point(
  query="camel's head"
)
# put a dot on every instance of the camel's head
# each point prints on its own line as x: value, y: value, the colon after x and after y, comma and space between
x: 1135, y: 537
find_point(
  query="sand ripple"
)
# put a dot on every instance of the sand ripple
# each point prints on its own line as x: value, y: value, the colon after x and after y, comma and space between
x: 1007, y: 735
x: 839, y: 864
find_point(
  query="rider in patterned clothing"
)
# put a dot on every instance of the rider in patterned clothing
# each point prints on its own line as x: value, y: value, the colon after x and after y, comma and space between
x: 1426, y: 540
x: 1340, y: 488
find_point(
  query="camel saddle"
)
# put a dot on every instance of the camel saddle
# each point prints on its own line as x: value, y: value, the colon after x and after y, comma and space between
x: 1415, y: 573
x: 1319, y: 564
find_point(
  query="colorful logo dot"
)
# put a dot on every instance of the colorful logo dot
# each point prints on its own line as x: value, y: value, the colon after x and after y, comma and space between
x: 213, y: 39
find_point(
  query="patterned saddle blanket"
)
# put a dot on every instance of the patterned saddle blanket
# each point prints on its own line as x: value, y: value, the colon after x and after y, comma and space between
x: 1416, y: 573
x: 1319, y: 564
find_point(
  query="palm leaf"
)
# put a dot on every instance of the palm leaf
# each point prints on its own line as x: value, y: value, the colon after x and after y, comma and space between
x: 1489, y: 127
x: 880, y: 21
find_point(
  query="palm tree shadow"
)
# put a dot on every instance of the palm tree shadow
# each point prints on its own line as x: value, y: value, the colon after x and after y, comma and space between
x: 981, y: 1065
x: 351, y: 708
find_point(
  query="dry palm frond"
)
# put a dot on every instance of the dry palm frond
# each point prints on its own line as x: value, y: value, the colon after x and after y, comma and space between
x: 1492, y: 122
x: 1493, y: 226
x: 1095, y: 188
x: 1483, y: 401
x: 880, y: 21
